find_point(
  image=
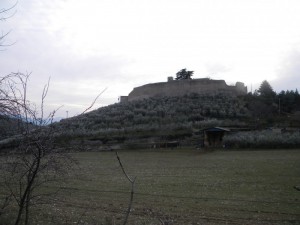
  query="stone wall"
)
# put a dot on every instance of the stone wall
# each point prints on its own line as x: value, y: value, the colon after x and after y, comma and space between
x: 203, y: 86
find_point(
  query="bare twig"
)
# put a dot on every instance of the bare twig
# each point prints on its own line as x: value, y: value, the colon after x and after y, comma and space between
x: 2, y: 18
x: 161, y: 221
x: 93, y: 103
x: 36, y: 161
x: 5, y: 203
x: 3, y: 11
x: 132, y: 182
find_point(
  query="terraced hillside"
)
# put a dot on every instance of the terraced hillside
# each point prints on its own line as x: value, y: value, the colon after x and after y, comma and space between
x: 160, y: 118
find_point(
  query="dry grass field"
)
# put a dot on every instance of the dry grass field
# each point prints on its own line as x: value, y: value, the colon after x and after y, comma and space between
x: 181, y: 186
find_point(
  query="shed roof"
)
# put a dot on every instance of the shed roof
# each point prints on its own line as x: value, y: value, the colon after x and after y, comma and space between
x: 216, y: 129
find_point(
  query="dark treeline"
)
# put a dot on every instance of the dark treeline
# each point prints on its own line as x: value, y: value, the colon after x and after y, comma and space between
x: 266, y: 102
x: 288, y: 101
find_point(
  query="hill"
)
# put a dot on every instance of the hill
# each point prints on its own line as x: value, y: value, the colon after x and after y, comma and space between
x: 10, y: 126
x: 140, y: 123
x: 155, y: 119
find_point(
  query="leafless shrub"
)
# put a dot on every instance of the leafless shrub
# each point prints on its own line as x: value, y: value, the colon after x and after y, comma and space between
x: 33, y: 161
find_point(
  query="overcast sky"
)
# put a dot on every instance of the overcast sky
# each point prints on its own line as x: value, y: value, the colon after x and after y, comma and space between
x: 87, y: 46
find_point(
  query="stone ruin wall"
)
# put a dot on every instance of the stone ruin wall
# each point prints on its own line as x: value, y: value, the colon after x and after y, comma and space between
x: 203, y: 86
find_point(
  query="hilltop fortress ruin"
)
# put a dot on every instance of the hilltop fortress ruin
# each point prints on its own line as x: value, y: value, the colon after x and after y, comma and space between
x: 202, y: 86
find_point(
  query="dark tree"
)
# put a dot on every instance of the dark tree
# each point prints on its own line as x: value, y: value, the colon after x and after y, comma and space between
x: 265, y: 89
x: 266, y: 92
x: 184, y: 75
x: 289, y: 101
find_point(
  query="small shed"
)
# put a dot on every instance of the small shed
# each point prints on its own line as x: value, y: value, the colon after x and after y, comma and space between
x: 213, y: 137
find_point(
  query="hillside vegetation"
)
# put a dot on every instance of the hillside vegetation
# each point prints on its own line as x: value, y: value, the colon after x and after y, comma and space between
x: 165, y: 118
x: 178, y: 118
x: 162, y: 111
x: 10, y: 126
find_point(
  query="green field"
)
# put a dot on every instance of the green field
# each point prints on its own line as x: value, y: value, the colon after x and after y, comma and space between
x: 182, y: 186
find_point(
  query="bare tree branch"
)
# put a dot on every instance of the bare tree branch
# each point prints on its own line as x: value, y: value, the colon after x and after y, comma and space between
x: 3, y: 11
x: 2, y: 18
x: 132, y: 182
x: 5, y: 203
x: 35, y: 161
x: 93, y: 103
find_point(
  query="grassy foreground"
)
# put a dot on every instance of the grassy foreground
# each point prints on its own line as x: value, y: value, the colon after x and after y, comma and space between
x: 180, y: 186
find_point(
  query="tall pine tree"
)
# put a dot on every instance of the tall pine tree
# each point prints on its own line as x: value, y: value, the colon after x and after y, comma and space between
x: 266, y: 92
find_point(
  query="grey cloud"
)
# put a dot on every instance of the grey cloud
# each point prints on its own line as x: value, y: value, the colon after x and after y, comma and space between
x: 40, y: 55
x: 44, y: 54
x: 68, y: 71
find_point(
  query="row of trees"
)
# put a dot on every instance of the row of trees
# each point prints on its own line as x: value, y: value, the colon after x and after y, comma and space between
x: 288, y: 101
x: 284, y: 101
x: 162, y: 111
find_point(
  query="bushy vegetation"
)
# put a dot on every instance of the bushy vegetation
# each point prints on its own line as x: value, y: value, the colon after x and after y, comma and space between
x: 265, y: 102
x: 178, y: 118
x: 8, y: 127
x: 263, y: 139
x: 289, y: 101
x: 158, y: 112
x: 166, y: 118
